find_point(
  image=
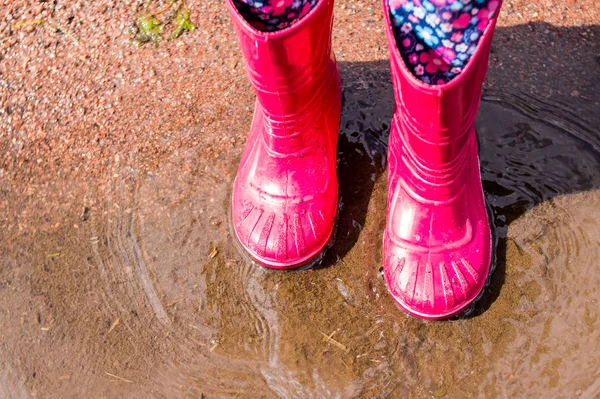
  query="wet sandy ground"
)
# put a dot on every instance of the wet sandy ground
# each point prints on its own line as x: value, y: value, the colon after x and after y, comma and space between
x: 118, y: 276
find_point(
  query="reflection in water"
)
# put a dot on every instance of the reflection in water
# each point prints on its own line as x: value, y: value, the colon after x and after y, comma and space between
x: 10, y: 386
x: 161, y: 303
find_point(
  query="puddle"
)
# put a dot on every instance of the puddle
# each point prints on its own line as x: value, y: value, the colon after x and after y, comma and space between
x: 135, y: 288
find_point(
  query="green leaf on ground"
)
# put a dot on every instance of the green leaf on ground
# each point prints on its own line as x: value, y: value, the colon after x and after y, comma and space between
x: 182, y: 23
x: 149, y: 29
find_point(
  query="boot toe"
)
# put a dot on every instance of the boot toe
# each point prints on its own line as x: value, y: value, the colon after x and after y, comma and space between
x: 284, y: 236
x: 437, y: 284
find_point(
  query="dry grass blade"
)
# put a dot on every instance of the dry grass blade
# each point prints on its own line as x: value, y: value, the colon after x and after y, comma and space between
x: 65, y: 32
x: 47, y: 24
x: 25, y: 24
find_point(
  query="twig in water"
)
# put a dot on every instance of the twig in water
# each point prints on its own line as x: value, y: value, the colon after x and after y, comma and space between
x: 117, y: 377
x: 328, y: 339
x: 112, y: 326
x: 168, y: 305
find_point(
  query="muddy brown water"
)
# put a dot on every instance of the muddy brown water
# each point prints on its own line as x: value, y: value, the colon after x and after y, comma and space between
x: 135, y: 289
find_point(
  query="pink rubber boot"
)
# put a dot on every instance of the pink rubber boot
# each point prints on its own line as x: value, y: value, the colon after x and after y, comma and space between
x: 437, y: 241
x: 285, y: 195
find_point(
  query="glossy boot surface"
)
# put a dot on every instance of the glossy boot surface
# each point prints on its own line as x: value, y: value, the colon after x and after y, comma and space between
x: 284, y: 199
x: 437, y: 241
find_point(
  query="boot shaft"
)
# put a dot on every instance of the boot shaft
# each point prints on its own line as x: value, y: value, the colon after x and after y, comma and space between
x: 437, y: 120
x: 289, y: 69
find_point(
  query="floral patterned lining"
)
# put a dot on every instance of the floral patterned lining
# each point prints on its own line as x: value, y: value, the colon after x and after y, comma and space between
x: 435, y: 37
x: 438, y: 37
x: 273, y: 15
